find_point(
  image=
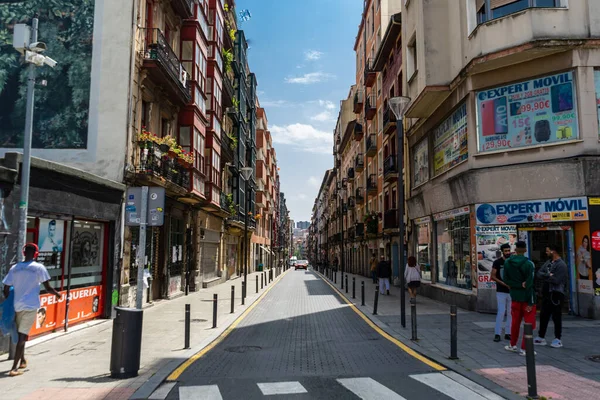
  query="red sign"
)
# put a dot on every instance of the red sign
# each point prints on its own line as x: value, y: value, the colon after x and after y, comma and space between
x: 85, y: 304
x: 596, y: 240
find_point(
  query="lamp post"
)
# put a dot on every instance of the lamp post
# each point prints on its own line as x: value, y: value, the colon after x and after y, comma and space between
x: 341, y: 192
x: 246, y: 174
x: 398, y: 105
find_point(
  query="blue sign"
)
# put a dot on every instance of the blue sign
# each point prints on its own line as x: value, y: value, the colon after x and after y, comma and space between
x: 550, y: 210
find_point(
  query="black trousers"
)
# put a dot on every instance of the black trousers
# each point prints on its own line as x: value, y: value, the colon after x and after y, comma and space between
x: 551, y: 307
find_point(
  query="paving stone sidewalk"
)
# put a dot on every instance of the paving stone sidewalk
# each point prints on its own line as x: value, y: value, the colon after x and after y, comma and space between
x: 76, y: 365
x: 564, y: 373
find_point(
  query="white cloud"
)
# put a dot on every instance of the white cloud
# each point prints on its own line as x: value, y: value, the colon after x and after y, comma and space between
x: 323, y: 116
x: 303, y: 137
x: 327, y: 104
x: 312, y: 55
x: 311, y: 77
x: 275, y: 103
x: 314, y: 181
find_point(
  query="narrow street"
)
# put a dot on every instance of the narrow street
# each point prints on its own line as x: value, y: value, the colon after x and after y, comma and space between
x: 303, y: 340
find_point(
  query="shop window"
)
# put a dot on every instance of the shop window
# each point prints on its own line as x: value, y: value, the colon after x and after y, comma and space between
x: 453, y: 250
x: 424, y: 250
x: 88, y: 254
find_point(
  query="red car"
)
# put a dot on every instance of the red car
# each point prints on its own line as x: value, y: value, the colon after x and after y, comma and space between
x: 301, y: 264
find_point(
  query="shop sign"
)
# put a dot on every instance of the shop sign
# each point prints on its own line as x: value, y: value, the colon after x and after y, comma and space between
x: 155, y: 206
x: 596, y: 240
x: 489, y: 239
x: 551, y: 210
x: 421, y: 163
x: 422, y: 220
x: 450, y: 141
x: 85, y: 303
x: 594, y: 201
x: 451, y: 213
x: 529, y: 113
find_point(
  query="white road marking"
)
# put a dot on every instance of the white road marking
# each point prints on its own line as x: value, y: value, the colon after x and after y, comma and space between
x: 447, y: 386
x: 472, y: 385
x: 163, y: 391
x: 369, y: 389
x: 272, y: 388
x: 208, y: 392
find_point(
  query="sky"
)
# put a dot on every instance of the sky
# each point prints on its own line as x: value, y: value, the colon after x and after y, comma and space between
x: 302, y: 54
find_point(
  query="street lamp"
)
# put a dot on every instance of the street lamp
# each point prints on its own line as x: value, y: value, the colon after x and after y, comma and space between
x: 399, y: 105
x: 246, y: 174
x: 341, y: 193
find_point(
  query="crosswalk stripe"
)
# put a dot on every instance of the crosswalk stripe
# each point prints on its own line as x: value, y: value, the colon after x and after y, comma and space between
x: 272, y: 388
x: 472, y: 385
x: 208, y: 392
x: 447, y: 386
x: 369, y: 389
x: 163, y: 391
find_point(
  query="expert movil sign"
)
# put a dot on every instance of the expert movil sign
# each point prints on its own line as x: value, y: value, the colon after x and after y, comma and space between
x: 547, y: 210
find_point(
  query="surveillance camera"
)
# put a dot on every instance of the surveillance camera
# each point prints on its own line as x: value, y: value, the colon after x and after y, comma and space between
x: 38, y: 47
x: 50, y: 62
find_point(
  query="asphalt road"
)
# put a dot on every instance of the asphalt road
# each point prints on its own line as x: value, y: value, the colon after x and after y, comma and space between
x: 303, y: 342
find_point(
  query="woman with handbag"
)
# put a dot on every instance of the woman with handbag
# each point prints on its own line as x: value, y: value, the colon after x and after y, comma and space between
x: 412, y: 275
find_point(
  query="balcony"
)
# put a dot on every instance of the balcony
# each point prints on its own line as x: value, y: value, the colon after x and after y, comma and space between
x: 159, y: 169
x: 184, y: 8
x: 371, y: 107
x: 389, y: 120
x: 359, y: 229
x: 351, y: 233
x: 390, y: 168
x: 228, y: 146
x: 338, y: 162
x: 370, y: 73
x: 359, y: 163
x: 372, y: 185
x: 164, y: 66
x: 360, y: 197
x: 344, y: 208
x: 358, y: 130
x: 390, y: 219
x: 371, y: 145
x: 351, y: 202
x: 350, y: 174
x: 359, y: 99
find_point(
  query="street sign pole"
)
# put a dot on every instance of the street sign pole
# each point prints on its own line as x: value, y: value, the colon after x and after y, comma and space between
x: 141, y: 253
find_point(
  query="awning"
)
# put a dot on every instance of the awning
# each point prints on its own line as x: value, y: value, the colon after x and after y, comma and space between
x: 265, y: 249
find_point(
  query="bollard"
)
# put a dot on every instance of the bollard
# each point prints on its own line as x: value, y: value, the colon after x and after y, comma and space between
x: 232, y: 298
x: 342, y: 281
x: 346, y: 283
x: 262, y: 279
x: 353, y: 287
x: 256, y: 283
x: 530, y: 359
x: 335, y: 277
x: 453, y: 333
x: 243, y: 292
x: 187, y: 327
x: 362, y: 293
x: 215, y: 299
x: 413, y: 318
x: 376, y: 301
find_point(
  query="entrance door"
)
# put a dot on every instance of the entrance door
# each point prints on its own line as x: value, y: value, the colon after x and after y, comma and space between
x: 538, y: 241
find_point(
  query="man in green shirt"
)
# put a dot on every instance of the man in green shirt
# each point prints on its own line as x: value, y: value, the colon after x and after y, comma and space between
x: 518, y: 275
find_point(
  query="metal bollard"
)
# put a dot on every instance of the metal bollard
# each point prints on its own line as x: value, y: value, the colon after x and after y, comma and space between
x: 413, y: 318
x: 353, y: 287
x: 262, y: 279
x: 215, y: 300
x: 256, y: 283
x: 453, y: 333
x: 232, y: 298
x: 362, y: 293
x: 187, y: 327
x: 342, y: 281
x: 530, y: 359
x: 335, y: 277
x: 376, y: 301
x: 243, y: 293
x: 346, y: 283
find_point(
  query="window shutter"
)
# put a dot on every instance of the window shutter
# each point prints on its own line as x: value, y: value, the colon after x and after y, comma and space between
x: 500, y: 3
x: 479, y: 4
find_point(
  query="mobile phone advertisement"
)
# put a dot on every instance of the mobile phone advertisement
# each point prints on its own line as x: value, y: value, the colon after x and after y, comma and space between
x: 528, y: 113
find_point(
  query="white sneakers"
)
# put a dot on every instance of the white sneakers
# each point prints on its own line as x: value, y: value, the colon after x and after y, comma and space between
x: 524, y: 353
x: 510, y: 348
x: 556, y: 343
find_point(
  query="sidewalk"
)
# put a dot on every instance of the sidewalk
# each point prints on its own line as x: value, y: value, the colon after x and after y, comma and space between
x: 76, y: 365
x: 561, y: 373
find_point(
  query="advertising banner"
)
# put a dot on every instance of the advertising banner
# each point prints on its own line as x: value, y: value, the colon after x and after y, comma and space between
x: 85, y: 304
x: 451, y: 213
x: 489, y: 239
x: 583, y: 258
x: 595, y: 243
x: 529, y: 113
x: 421, y: 163
x: 549, y: 210
x: 450, y: 141
x: 50, y: 242
x: 597, y: 84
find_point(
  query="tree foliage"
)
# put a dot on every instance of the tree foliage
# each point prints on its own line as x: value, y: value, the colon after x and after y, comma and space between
x: 61, y: 107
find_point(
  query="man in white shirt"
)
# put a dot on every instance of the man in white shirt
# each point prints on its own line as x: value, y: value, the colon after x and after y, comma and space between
x: 25, y: 278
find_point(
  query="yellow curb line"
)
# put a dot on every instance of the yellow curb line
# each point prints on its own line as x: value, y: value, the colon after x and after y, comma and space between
x: 383, y: 333
x: 177, y: 373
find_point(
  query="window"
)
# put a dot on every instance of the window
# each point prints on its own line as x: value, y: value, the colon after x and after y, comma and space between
x: 502, y: 8
x: 184, y: 138
x: 453, y: 251
x: 202, y: 19
x: 199, y: 150
x: 146, y: 114
x: 165, y: 127
x: 175, y: 255
x: 380, y: 120
x: 187, y: 56
x: 380, y: 162
x: 411, y: 58
x: 379, y: 84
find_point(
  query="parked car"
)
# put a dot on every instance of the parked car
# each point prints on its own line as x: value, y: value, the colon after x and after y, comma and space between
x: 301, y: 264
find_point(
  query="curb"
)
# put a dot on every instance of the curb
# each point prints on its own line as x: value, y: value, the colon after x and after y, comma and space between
x: 160, y: 376
x: 449, y: 364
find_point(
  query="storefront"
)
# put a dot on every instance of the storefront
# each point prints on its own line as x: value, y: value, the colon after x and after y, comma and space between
x: 423, y: 246
x: 453, y: 244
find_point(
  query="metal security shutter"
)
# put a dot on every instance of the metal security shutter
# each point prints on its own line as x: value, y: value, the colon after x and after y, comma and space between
x: 210, y: 253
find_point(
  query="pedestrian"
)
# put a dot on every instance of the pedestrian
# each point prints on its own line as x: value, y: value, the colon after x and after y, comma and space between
x: 554, y: 282
x: 412, y: 275
x: 502, y: 294
x: 450, y: 271
x: 384, y: 273
x: 25, y: 278
x: 518, y: 275
x: 374, y: 268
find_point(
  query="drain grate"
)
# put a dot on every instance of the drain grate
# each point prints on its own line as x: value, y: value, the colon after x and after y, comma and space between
x: 595, y: 358
x: 194, y: 320
x: 243, y: 349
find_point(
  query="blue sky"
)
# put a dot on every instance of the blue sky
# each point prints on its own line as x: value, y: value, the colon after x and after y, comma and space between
x: 303, y: 57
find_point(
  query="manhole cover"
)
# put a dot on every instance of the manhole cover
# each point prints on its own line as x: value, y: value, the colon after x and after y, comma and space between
x: 194, y: 320
x: 243, y: 349
x: 595, y: 358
